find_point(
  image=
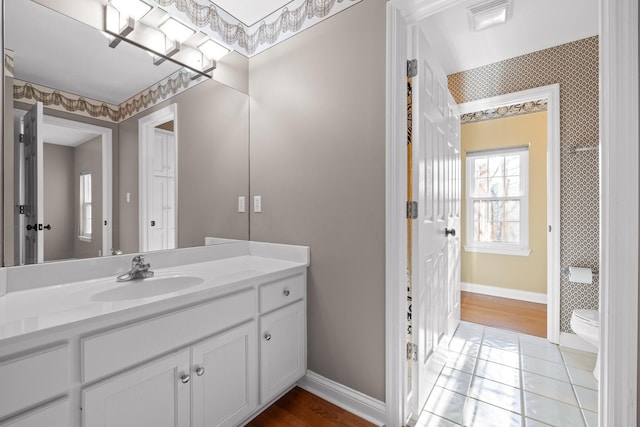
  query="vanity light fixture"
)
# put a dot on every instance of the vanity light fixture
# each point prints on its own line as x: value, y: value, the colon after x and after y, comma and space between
x: 489, y: 14
x: 212, y: 50
x: 157, y: 33
x: 176, y: 30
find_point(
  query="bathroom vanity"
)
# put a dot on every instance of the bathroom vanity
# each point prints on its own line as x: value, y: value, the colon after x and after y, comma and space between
x: 214, y: 337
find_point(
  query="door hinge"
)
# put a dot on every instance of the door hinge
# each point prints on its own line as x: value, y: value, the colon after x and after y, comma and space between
x: 412, y: 68
x: 21, y: 137
x: 412, y: 352
x: 412, y: 209
x: 21, y: 209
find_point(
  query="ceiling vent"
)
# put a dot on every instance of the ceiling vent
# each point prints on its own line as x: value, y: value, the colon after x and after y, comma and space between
x: 489, y: 14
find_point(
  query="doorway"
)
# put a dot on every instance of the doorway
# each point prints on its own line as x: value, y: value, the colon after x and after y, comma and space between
x: 619, y: 75
x: 551, y: 94
x: 75, y: 223
x: 158, y: 179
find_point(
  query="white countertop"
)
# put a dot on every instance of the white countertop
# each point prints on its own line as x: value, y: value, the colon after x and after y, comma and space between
x: 40, y: 309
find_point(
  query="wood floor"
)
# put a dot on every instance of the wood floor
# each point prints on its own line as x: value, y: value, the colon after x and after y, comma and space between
x: 299, y: 408
x: 519, y: 316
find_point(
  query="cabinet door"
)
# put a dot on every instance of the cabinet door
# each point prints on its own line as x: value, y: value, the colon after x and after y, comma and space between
x: 156, y: 394
x: 225, y: 379
x: 283, y: 349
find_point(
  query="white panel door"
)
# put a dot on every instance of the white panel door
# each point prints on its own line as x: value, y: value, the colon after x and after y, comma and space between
x: 161, y: 227
x: 225, y: 381
x: 156, y: 394
x: 32, y: 196
x: 453, y: 219
x: 282, y: 349
x: 434, y: 170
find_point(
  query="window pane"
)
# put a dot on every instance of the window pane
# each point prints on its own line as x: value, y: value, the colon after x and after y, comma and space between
x: 496, y: 187
x: 481, y: 189
x: 480, y: 168
x: 512, y: 186
x: 496, y: 221
x: 512, y: 210
x: 496, y: 166
x: 512, y: 232
x: 512, y: 165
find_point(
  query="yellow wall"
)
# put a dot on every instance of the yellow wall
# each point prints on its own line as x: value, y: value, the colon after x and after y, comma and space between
x: 526, y: 273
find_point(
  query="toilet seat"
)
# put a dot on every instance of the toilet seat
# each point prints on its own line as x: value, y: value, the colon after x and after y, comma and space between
x: 592, y: 317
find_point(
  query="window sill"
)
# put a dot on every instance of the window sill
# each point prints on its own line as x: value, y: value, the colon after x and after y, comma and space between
x: 84, y: 239
x: 498, y: 251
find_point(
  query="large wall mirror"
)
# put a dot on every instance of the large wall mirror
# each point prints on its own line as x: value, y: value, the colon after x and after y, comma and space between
x: 108, y: 150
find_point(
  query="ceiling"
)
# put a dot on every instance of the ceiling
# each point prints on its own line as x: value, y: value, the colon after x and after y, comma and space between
x: 534, y: 25
x: 78, y: 60
x: 250, y: 12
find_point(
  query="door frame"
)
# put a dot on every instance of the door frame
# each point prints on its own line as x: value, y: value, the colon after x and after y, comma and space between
x: 146, y: 125
x: 106, y: 135
x: 552, y: 94
x: 619, y: 228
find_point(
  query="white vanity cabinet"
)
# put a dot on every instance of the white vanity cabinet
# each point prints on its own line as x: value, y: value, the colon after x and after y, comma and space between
x: 211, y: 357
x: 155, y: 394
x: 283, y: 345
x: 34, y: 378
x: 213, y: 383
x: 225, y: 378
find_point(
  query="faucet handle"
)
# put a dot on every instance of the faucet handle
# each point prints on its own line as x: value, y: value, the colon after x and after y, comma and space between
x: 138, y: 259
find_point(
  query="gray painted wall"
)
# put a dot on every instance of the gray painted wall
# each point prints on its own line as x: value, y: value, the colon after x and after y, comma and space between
x: 88, y: 158
x: 59, y: 202
x: 213, y: 168
x: 318, y: 161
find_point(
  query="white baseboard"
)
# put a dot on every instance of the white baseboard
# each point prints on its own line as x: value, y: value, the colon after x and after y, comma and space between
x: 575, y: 342
x: 348, y: 399
x: 496, y: 291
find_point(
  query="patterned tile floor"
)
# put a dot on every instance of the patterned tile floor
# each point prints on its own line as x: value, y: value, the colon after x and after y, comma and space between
x: 500, y: 378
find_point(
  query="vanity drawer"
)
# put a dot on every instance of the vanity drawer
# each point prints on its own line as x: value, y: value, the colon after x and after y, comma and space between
x: 118, y: 349
x: 55, y: 414
x: 34, y: 378
x: 282, y: 292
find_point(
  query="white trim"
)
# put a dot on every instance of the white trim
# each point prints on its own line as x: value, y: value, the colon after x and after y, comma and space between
x: 552, y: 94
x: 575, y: 342
x: 351, y: 400
x: 498, y: 250
x: 146, y: 127
x: 619, y: 190
x: 395, y: 223
x: 496, y: 291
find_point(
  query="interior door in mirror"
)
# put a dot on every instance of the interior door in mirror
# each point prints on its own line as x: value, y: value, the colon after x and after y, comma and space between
x: 29, y: 189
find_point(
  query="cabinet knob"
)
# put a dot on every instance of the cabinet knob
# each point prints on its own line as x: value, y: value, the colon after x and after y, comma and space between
x: 267, y: 336
x: 185, y: 378
x: 286, y: 292
x: 200, y: 371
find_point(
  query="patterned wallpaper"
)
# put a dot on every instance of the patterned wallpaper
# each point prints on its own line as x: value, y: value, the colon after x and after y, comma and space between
x: 575, y: 67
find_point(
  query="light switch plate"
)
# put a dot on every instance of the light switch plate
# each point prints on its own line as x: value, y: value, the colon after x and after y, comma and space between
x: 241, y: 205
x: 257, y: 204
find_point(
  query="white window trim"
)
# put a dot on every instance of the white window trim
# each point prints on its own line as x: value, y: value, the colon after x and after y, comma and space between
x: 521, y: 249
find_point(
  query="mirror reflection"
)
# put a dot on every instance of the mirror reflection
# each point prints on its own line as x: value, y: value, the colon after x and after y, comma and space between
x: 106, y: 152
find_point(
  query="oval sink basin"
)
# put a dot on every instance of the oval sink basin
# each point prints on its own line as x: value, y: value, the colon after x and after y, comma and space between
x: 145, y: 288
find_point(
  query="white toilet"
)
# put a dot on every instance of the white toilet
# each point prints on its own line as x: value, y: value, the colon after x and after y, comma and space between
x: 586, y: 324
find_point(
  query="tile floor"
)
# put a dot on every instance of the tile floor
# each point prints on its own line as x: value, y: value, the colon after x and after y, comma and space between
x: 500, y: 378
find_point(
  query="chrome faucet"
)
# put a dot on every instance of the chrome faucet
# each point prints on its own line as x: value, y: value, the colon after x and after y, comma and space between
x: 139, y: 270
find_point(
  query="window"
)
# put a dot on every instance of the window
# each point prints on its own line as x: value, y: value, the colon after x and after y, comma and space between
x: 497, y: 201
x: 85, y: 206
